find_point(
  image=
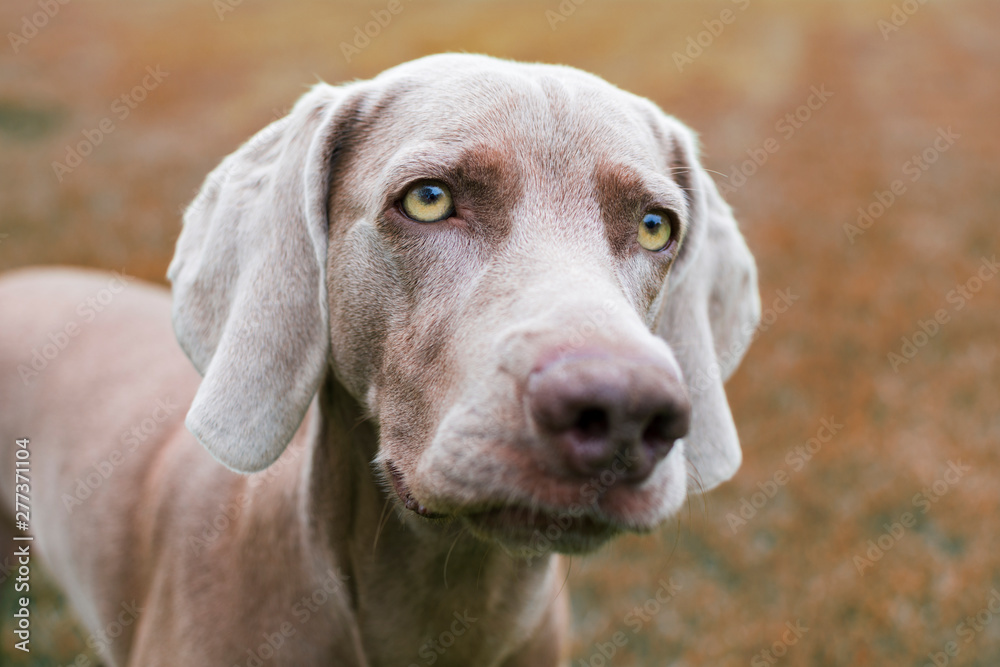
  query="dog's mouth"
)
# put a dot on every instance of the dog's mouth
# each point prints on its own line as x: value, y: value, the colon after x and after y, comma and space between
x: 531, y: 532
x: 524, y: 531
x: 403, y: 492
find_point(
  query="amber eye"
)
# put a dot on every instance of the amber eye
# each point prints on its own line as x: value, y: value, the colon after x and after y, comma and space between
x: 428, y: 202
x: 655, y: 231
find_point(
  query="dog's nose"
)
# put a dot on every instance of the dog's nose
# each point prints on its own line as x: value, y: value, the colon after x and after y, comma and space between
x: 606, y: 413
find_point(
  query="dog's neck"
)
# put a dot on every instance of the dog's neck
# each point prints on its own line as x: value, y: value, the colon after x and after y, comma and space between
x: 411, y: 582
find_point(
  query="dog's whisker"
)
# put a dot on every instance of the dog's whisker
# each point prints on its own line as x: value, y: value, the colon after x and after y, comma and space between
x: 382, y: 521
x: 448, y: 557
x: 677, y: 540
x: 569, y: 568
x: 479, y: 574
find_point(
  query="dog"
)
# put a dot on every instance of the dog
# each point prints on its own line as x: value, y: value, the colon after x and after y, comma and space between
x: 435, y: 329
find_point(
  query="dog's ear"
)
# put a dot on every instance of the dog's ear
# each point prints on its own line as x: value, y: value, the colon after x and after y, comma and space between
x: 250, y: 306
x: 709, y: 316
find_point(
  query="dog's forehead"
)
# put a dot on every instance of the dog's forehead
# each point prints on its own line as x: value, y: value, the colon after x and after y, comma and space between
x: 556, y: 114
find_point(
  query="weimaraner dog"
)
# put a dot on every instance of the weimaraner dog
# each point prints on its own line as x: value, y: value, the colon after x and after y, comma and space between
x: 436, y: 328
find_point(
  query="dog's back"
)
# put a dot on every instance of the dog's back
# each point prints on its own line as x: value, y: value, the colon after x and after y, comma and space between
x: 70, y: 343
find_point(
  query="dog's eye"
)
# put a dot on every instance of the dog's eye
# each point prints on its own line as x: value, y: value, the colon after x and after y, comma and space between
x: 655, y: 231
x: 428, y: 202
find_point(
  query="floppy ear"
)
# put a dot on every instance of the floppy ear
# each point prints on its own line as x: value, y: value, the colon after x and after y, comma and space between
x: 709, y: 317
x: 250, y: 305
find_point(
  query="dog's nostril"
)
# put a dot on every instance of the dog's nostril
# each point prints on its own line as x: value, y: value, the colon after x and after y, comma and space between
x: 592, y: 424
x: 656, y: 436
x: 663, y: 430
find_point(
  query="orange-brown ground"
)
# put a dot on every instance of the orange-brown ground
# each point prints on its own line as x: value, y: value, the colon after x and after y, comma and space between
x: 825, y: 358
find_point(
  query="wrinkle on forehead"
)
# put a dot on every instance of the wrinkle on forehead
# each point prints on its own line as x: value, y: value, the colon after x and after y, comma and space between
x: 539, y: 108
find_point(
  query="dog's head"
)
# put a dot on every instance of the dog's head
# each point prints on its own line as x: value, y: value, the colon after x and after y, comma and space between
x: 521, y: 271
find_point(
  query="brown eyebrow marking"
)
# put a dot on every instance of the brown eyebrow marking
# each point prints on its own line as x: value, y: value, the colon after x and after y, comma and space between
x: 622, y: 196
x: 489, y: 179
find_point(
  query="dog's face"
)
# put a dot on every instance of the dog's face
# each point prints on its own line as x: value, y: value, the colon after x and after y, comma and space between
x: 519, y: 270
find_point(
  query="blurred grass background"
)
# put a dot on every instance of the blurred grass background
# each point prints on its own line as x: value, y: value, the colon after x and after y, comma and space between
x: 232, y: 68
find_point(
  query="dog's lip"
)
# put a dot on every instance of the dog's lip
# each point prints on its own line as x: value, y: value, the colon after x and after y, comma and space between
x: 534, y: 532
x: 403, y: 491
x: 515, y: 519
x: 508, y: 519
